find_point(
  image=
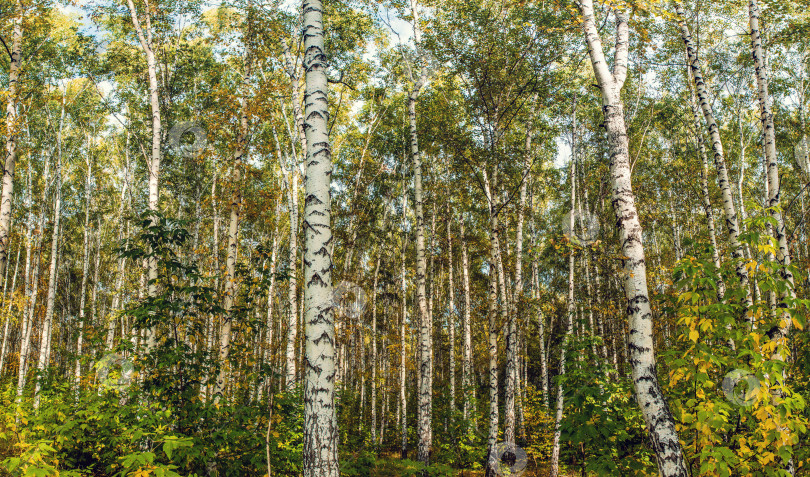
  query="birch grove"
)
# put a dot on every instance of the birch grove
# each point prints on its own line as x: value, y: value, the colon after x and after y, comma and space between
x: 435, y: 238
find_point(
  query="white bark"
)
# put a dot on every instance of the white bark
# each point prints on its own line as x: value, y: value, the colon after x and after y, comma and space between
x: 403, y: 403
x: 492, y: 345
x: 779, y: 332
x: 32, y: 286
x: 517, y: 307
x: 47, y: 326
x: 292, y: 330
x: 240, y: 157
x: 654, y: 408
x: 12, y: 126
x: 451, y: 320
x: 704, y: 181
x: 466, y: 375
x: 541, y: 319
x: 267, y: 354
x: 769, y: 142
x: 122, y: 262
x: 10, y: 298
x: 146, y: 40
x: 560, y: 402
x: 320, y: 421
x: 85, y: 270
x: 732, y: 222
x: 374, y: 350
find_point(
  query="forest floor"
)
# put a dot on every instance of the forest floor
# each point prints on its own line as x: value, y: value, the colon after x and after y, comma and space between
x: 392, y: 466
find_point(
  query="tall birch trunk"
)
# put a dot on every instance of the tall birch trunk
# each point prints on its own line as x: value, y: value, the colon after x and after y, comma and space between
x: 541, y: 322
x: 292, y: 205
x: 122, y: 262
x: 517, y: 311
x: 12, y: 126
x: 147, y: 44
x: 451, y: 316
x: 704, y: 180
x: 466, y: 382
x: 403, y: 403
x: 780, y: 331
x: 769, y: 142
x: 320, y: 420
x: 732, y: 222
x: 33, y: 283
x: 374, y: 350
x: 492, y: 345
x: 233, y: 226
x: 654, y: 408
x: 267, y: 355
x: 560, y: 403
x: 8, y: 311
x: 85, y: 271
x: 292, y: 294
x: 47, y: 326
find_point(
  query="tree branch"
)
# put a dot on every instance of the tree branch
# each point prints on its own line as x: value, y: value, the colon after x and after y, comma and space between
x: 10, y: 57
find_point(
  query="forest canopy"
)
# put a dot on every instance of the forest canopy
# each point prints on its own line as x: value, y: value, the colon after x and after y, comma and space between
x: 388, y: 238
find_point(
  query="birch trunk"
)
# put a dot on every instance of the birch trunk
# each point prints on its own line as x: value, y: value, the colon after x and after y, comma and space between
x: 85, y: 271
x: 732, y: 222
x: 654, y: 408
x: 769, y: 142
x: 403, y: 403
x: 704, y: 181
x: 492, y: 344
x: 374, y: 350
x: 466, y: 381
x: 292, y: 330
x: 11, y: 137
x: 147, y: 44
x: 560, y: 403
x: 451, y: 316
x: 240, y: 157
x: 541, y: 331
x: 10, y: 296
x: 292, y: 295
x: 119, y: 281
x: 96, y: 271
x: 29, y: 239
x: 47, y: 326
x: 320, y: 421
x: 780, y: 332
x: 425, y: 327
x: 33, y: 291
x: 267, y: 355
x: 517, y: 307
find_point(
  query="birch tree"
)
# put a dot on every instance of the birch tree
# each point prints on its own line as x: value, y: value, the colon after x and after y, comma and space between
x: 732, y: 221
x: 47, y: 325
x: 240, y: 156
x: 85, y: 270
x: 654, y: 407
x: 12, y: 127
x: 779, y: 333
x: 569, y: 327
x: 425, y: 405
x: 146, y: 39
x: 320, y: 422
